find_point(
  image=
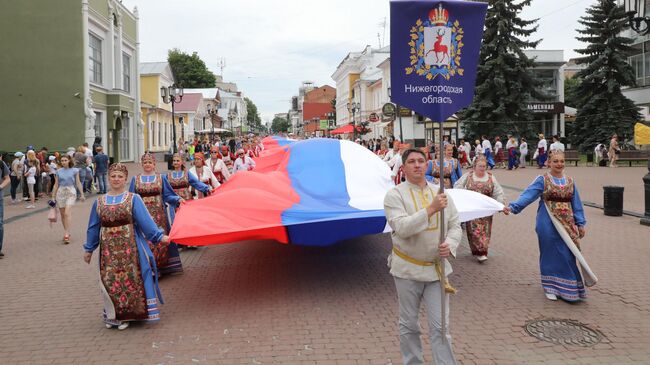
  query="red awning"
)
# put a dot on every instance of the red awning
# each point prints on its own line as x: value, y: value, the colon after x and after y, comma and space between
x: 345, y: 129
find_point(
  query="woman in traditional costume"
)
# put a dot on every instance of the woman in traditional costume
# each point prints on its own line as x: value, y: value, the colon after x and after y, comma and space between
x: 560, y: 226
x: 203, y: 173
x: 217, y: 166
x: 463, y: 154
x: 479, y: 230
x: 499, y: 156
x: 542, y: 150
x: 513, y: 159
x: 451, y: 169
x: 120, y: 226
x: 182, y: 182
x: 156, y: 192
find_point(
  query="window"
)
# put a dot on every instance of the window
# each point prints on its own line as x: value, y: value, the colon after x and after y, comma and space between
x: 124, y: 140
x: 159, y: 135
x: 126, y: 72
x: 95, y: 59
x: 98, y: 124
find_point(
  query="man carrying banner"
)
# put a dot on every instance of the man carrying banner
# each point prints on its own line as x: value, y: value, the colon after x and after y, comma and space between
x: 434, y: 55
x: 413, y: 212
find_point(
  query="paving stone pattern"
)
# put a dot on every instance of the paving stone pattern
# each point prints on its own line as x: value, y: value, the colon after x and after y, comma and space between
x: 266, y: 303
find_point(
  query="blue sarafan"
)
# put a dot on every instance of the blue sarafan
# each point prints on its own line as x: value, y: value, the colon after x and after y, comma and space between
x: 315, y: 192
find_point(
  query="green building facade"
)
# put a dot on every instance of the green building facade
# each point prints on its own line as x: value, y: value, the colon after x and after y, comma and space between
x: 69, y: 73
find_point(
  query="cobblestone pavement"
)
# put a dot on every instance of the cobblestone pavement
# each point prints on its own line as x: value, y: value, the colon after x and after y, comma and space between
x: 265, y: 303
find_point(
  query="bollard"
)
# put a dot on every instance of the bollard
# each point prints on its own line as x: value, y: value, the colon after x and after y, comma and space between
x: 613, y: 200
x: 646, y: 182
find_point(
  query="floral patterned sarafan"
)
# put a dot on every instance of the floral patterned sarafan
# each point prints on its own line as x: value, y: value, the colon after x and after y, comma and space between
x: 479, y: 230
x: 151, y: 193
x: 558, y: 199
x: 119, y: 264
x: 447, y: 169
x: 181, y: 185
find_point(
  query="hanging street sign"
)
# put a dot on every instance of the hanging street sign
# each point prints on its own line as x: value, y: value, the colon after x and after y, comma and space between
x: 434, y: 54
x: 388, y: 110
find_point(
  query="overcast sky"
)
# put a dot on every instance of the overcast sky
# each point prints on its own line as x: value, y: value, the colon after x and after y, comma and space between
x: 270, y: 47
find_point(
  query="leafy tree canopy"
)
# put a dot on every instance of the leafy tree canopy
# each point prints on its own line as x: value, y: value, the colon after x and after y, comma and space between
x: 279, y: 125
x: 253, y: 116
x: 189, y: 70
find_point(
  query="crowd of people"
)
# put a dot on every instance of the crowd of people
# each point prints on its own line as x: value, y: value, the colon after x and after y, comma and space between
x: 131, y: 219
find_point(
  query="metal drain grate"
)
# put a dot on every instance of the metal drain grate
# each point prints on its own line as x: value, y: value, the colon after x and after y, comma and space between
x: 563, y: 332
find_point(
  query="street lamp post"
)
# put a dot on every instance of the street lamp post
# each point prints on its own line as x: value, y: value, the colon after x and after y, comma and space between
x: 231, y: 118
x: 354, y: 108
x: 174, y: 95
x: 635, y: 10
x: 212, y: 112
x: 399, y: 116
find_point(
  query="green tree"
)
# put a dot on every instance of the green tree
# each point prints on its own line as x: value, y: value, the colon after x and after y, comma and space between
x: 602, y: 108
x: 252, y: 116
x: 504, y: 82
x: 279, y: 125
x: 189, y: 70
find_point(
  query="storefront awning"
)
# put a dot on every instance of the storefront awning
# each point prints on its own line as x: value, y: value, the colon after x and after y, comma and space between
x: 345, y: 129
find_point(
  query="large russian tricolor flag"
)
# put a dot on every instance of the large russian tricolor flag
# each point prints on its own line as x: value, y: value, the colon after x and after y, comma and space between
x: 314, y: 192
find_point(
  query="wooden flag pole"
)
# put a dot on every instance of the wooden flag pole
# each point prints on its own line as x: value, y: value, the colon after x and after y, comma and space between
x: 443, y: 261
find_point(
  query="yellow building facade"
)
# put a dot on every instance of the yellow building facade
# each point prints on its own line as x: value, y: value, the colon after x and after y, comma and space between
x: 157, y: 115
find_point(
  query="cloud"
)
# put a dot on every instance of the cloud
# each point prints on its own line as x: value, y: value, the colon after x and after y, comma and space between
x: 270, y: 47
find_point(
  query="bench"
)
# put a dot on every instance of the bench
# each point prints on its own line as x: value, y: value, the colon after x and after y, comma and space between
x: 632, y: 156
x: 569, y: 156
x: 572, y: 156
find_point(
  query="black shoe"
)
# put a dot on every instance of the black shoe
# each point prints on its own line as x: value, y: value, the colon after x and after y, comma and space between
x: 2, y: 255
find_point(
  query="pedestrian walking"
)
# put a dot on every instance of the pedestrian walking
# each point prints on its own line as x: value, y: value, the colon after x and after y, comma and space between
x: 80, y: 163
x: 487, y: 151
x: 4, y: 181
x: 16, y: 175
x: 64, y: 193
x: 119, y: 224
x: 560, y: 225
x: 614, y: 151
x: 479, y: 231
x: 513, y: 153
x: 498, y: 153
x: 415, y: 260
x: 101, y: 168
x: 542, y: 149
x: 30, y: 176
x: 52, y: 167
x: 523, y: 152
x: 157, y: 193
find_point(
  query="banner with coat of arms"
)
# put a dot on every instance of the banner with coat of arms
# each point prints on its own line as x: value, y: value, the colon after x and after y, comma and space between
x: 434, y: 54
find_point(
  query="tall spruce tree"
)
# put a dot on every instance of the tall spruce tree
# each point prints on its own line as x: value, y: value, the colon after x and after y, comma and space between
x: 602, y: 107
x: 504, y: 82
